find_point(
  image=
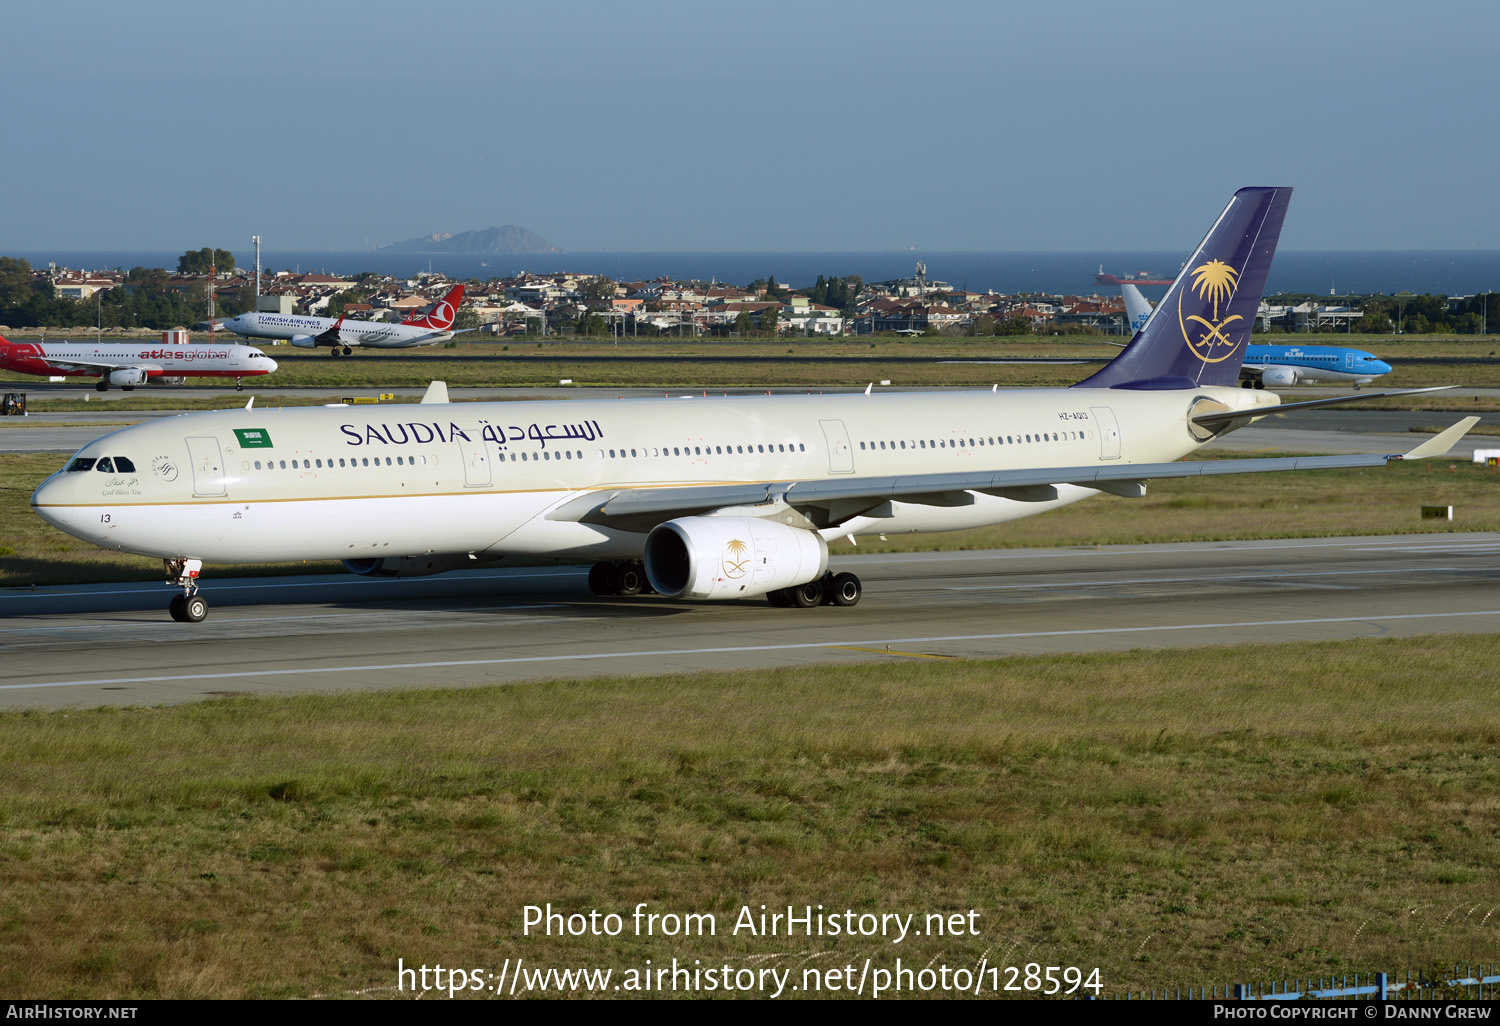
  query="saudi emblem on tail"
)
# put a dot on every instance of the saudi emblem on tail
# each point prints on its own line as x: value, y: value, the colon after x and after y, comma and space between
x: 1216, y: 298
x: 1213, y: 282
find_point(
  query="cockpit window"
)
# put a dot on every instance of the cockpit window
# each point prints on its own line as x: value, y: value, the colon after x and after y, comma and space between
x: 107, y: 465
x: 124, y: 466
x: 81, y: 463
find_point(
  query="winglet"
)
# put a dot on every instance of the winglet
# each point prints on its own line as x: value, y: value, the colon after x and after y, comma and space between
x: 250, y: 403
x: 437, y: 392
x: 869, y: 387
x: 1440, y: 443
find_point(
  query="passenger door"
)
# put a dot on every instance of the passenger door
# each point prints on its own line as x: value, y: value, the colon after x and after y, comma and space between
x: 840, y: 452
x: 1109, y: 432
x: 208, y: 465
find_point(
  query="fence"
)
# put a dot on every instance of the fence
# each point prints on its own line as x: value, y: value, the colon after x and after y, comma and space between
x: 1467, y: 983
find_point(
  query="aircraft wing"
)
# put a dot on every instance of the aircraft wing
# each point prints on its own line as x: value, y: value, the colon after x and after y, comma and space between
x: 100, y: 366
x: 829, y: 502
x: 332, y: 336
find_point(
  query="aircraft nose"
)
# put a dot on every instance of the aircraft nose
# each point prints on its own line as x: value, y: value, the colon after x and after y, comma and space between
x: 53, y: 501
x: 270, y: 365
x: 1381, y: 367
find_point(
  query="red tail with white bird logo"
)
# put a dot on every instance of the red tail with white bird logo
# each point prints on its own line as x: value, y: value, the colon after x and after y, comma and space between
x: 440, y: 317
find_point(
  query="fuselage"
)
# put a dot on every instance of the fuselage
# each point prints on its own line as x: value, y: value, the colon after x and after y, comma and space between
x: 156, y: 360
x: 1316, y: 363
x: 490, y: 478
x: 371, y: 334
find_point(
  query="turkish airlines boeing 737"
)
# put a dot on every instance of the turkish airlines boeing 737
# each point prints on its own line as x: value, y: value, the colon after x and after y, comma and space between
x: 708, y: 499
x: 341, y: 335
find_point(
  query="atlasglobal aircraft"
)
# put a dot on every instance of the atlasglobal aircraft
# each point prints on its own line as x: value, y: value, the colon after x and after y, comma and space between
x: 129, y: 364
x: 705, y: 499
x: 423, y: 329
x: 1280, y: 366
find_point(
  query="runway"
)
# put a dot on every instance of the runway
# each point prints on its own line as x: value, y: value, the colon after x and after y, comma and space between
x: 114, y: 643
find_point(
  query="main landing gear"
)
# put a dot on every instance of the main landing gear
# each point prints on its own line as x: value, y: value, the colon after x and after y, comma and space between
x: 338, y: 349
x: 189, y: 607
x: 626, y: 579
x: 829, y: 590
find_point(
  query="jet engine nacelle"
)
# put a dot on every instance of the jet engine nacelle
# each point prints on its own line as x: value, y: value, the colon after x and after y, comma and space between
x: 731, y: 557
x: 168, y: 381
x: 127, y: 376
x: 1278, y: 377
x: 305, y: 341
x: 406, y: 566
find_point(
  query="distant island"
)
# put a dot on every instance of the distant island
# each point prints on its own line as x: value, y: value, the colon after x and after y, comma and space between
x: 505, y: 239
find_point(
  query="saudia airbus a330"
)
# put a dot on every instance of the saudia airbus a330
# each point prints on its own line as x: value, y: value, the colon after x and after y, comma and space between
x: 707, y: 499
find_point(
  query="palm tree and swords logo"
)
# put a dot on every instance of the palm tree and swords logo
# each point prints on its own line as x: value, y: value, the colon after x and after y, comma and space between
x: 736, y: 556
x: 1214, y: 281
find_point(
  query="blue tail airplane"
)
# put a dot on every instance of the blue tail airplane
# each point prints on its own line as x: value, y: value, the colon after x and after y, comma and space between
x: 1280, y: 366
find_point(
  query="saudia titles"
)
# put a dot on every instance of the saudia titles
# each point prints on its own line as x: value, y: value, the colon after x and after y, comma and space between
x: 1213, y: 282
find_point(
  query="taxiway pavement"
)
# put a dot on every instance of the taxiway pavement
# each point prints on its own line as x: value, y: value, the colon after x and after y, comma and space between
x: 114, y: 643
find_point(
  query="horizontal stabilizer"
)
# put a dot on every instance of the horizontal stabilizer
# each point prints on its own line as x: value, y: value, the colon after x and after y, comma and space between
x: 1266, y: 411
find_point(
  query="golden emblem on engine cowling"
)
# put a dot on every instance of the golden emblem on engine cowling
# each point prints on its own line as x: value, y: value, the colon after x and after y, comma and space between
x: 735, y: 558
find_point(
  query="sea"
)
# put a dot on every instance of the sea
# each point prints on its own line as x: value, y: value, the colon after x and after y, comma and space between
x: 1441, y: 272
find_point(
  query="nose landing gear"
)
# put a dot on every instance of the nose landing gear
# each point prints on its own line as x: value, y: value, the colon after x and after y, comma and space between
x: 189, y: 607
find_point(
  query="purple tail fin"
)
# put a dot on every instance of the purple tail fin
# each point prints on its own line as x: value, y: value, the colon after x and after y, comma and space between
x: 1198, y: 333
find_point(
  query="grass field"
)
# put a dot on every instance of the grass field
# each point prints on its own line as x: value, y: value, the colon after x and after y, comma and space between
x: 1173, y: 818
x: 1295, y: 505
x: 375, y: 369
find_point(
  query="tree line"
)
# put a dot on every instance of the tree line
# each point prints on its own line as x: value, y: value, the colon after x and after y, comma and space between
x: 143, y: 302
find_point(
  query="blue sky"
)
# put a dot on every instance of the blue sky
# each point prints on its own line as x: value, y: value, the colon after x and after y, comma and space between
x: 664, y: 125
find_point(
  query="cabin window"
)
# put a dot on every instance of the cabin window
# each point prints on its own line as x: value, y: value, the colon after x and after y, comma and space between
x: 801, y: 447
x: 611, y: 454
x: 283, y: 464
x: 523, y: 457
x: 632, y: 454
x: 861, y: 446
x: 569, y: 455
x: 257, y: 464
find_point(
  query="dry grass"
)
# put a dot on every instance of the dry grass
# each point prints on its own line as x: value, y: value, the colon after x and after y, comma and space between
x: 1181, y: 817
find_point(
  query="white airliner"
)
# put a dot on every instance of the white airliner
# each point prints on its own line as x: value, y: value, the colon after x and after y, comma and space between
x: 128, y: 364
x: 705, y: 499
x: 340, y: 335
